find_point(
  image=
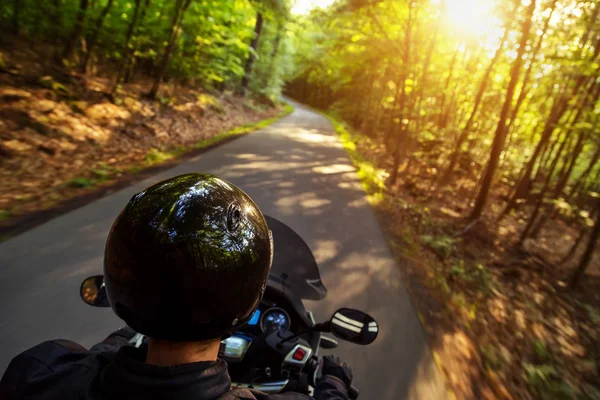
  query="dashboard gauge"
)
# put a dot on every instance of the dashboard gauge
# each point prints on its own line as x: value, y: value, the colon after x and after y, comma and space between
x: 275, y: 319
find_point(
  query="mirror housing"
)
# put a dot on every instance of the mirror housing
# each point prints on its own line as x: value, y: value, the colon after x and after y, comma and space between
x: 354, y: 326
x: 93, y: 292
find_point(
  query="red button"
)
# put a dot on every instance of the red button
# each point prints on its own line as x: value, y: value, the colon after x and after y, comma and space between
x: 299, y: 354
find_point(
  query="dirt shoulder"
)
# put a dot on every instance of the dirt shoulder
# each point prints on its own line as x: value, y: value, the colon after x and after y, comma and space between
x: 501, y: 322
x: 64, y: 141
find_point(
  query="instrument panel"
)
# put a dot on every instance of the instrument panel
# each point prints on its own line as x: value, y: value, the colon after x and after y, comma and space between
x: 268, y: 318
x: 275, y: 319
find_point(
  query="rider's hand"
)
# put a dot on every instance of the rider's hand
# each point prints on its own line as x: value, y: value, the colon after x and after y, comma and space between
x: 333, y: 366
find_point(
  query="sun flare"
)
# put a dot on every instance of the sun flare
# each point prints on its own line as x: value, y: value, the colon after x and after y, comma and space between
x: 474, y: 18
x: 305, y: 6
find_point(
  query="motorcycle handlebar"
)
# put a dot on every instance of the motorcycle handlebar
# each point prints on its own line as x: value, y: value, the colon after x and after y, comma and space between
x: 310, y: 369
x: 353, y: 392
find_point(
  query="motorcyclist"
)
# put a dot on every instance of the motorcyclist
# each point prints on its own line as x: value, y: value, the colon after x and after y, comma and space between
x: 186, y: 264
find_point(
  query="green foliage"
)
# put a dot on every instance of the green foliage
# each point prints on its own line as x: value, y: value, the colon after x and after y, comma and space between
x: 104, y: 172
x: 491, y: 357
x: 479, y: 275
x: 372, y: 178
x: 541, y: 351
x: 211, y: 48
x: 81, y: 182
x: 5, y: 214
x: 592, y: 312
x: 426, y: 80
x: 156, y: 156
x: 546, y: 381
x: 56, y: 87
x: 443, y: 246
x: 207, y: 101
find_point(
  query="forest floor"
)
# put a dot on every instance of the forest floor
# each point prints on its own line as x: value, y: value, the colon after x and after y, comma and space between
x: 62, y: 137
x: 502, y: 322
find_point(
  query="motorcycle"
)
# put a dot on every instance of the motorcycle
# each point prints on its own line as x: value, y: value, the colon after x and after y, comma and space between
x: 277, y: 349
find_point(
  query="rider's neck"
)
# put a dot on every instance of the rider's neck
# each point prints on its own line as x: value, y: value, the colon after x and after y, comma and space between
x: 167, y: 354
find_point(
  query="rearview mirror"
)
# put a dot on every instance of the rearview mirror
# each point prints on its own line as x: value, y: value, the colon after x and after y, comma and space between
x: 93, y: 292
x: 354, y: 326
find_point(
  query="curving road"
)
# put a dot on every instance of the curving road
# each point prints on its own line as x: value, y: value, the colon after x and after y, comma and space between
x: 298, y: 172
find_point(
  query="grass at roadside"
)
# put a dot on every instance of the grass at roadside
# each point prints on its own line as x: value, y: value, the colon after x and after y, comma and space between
x: 104, y: 175
x: 157, y: 157
x: 371, y: 177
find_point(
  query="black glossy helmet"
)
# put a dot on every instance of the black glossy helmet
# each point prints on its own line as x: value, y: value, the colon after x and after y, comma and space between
x: 188, y: 259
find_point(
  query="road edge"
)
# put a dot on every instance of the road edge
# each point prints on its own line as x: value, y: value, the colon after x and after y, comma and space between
x: 23, y: 223
x: 370, y: 179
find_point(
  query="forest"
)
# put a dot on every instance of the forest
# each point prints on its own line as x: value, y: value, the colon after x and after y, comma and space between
x: 94, y: 90
x: 473, y: 125
x: 510, y: 108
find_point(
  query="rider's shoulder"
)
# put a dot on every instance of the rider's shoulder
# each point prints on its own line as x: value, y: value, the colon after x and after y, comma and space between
x: 52, y: 350
x: 59, y: 361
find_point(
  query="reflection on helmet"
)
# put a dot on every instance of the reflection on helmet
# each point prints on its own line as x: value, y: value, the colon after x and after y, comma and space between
x: 187, y: 259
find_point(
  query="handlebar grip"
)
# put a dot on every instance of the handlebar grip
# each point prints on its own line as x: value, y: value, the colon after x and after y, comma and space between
x: 353, y: 392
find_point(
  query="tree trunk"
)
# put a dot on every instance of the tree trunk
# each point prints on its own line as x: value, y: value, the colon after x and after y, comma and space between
x: 445, y: 177
x: 126, y: 51
x: 74, y: 37
x: 180, y: 8
x: 538, y: 206
x: 251, y: 57
x: 589, y: 251
x: 276, y: 43
x: 523, y: 186
x: 575, y: 246
x: 574, y: 156
x: 558, y: 110
x: 95, y: 34
x: 423, y: 81
x: 545, y: 157
x: 57, y: 17
x: 524, y: 86
x: 129, y: 62
x: 441, y: 117
x: 500, y: 133
x: 585, y: 174
x: 400, y: 127
x: 16, y: 14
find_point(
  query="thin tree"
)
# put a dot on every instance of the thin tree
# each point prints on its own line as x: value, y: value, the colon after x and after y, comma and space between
x: 180, y: 8
x: 426, y: 64
x: 399, y: 127
x: 485, y: 80
x: 17, y: 4
x: 500, y: 133
x: 589, y: 251
x: 95, y: 34
x: 559, y: 108
x: 133, y: 22
x: 528, y: 72
x: 441, y: 117
x: 77, y: 32
x: 258, y: 25
x: 536, y: 211
x: 584, y: 175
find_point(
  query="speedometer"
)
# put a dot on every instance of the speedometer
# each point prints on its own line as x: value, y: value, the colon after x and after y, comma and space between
x: 275, y: 319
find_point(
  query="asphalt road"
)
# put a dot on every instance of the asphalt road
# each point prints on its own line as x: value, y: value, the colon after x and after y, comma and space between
x: 298, y: 172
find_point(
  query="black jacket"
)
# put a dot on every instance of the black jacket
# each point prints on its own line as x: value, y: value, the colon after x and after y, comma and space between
x: 64, y: 370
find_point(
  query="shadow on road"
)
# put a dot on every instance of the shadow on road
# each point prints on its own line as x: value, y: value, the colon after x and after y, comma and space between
x: 297, y: 171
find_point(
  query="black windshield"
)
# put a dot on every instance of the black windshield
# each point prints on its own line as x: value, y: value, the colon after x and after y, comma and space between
x: 294, y: 266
